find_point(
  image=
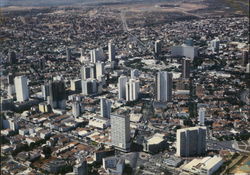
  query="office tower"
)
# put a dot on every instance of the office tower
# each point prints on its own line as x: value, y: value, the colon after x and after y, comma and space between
x: 80, y: 168
x: 96, y: 55
x: 68, y: 54
x: 105, y: 107
x: 202, y: 114
x: 57, y: 94
x: 191, y: 141
x: 12, y: 58
x: 184, y: 51
x: 132, y: 90
x: 185, y: 68
x: 111, y: 48
x: 21, y: 87
x: 99, y: 69
x: 76, y: 108
x: 157, y: 47
x: 87, y: 72
x: 122, y: 87
x: 134, y: 73
x: 248, y: 68
x: 75, y: 85
x: 45, y: 91
x: 245, y: 58
x: 164, y: 86
x: 120, y: 131
x: 89, y: 87
x: 215, y: 45
x: 189, y: 42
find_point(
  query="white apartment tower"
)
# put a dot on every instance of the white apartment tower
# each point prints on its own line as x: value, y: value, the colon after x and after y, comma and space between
x: 21, y: 87
x: 191, y: 141
x: 202, y: 114
x: 111, y: 49
x: 164, y: 86
x: 132, y: 90
x: 120, y: 131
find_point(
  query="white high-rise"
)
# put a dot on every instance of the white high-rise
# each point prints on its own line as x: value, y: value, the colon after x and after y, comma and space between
x: 111, y: 48
x: 96, y: 55
x: 87, y: 72
x: 157, y: 47
x: 202, y: 114
x: 132, y: 90
x: 122, y: 87
x: 215, y: 45
x: 120, y: 131
x: 164, y: 86
x: 191, y: 141
x: 21, y: 87
x: 105, y: 107
x: 99, y: 69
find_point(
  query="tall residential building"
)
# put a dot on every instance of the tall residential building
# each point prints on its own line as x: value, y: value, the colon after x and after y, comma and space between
x: 12, y: 57
x: 164, y: 86
x: 202, y: 114
x: 87, y: 72
x: 68, y: 54
x: 76, y: 108
x: 57, y: 94
x: 186, y: 68
x: 191, y: 141
x: 122, y: 87
x: 184, y: 51
x: 99, y: 69
x: 132, y: 90
x: 245, y: 58
x: 45, y: 91
x: 248, y: 68
x: 96, y: 55
x: 75, y: 85
x: 105, y: 106
x: 111, y: 48
x: 157, y: 47
x: 215, y: 45
x: 21, y: 87
x: 89, y: 87
x: 120, y: 131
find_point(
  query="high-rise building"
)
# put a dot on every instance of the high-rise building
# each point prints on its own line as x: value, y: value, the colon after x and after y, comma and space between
x: 10, y: 79
x: 12, y: 58
x: 45, y: 91
x: 134, y: 73
x: 185, y: 68
x: 21, y: 87
x: 191, y: 141
x: 89, y: 87
x: 248, y: 68
x: 202, y: 114
x: 122, y: 87
x: 99, y: 69
x: 215, y: 45
x: 80, y: 168
x: 157, y: 47
x: 164, y: 86
x: 111, y: 48
x: 132, y: 90
x: 245, y: 57
x: 76, y: 108
x: 75, y: 85
x: 96, y: 55
x: 68, y: 54
x: 120, y: 131
x: 184, y: 51
x: 87, y: 72
x: 105, y: 107
x: 57, y: 94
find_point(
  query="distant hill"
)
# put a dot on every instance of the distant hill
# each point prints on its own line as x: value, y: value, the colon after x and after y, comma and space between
x: 240, y: 5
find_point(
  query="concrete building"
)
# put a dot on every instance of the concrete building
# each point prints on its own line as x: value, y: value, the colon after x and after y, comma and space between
x: 111, y: 53
x: 80, y: 168
x: 68, y: 54
x: 155, y: 144
x: 76, y: 108
x: 186, y: 68
x: 184, y: 51
x: 12, y: 57
x: 134, y: 74
x: 122, y: 87
x: 21, y: 87
x: 248, y: 68
x: 75, y: 85
x: 57, y: 94
x: 157, y: 47
x: 205, y: 166
x: 113, y: 165
x: 89, y: 87
x: 191, y: 141
x: 215, y: 45
x: 132, y: 90
x: 245, y: 58
x: 87, y: 72
x: 202, y: 114
x: 96, y: 55
x: 120, y: 131
x: 164, y: 86
x: 105, y: 107
x: 99, y: 69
